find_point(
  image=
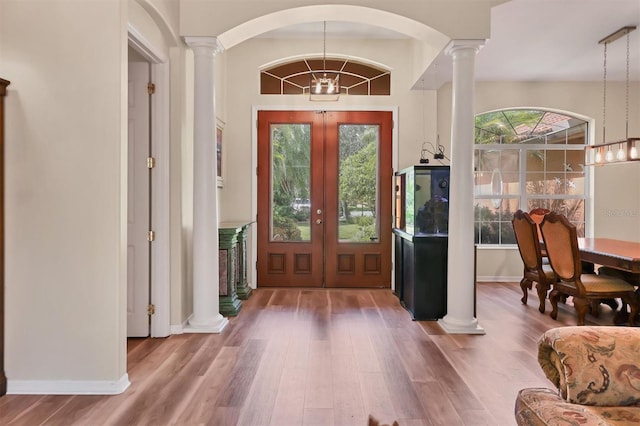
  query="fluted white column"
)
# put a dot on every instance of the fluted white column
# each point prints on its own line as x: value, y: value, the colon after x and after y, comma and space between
x: 206, y: 316
x: 460, y: 317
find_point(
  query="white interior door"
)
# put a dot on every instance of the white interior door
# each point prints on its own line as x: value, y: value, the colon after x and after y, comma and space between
x: 138, y: 250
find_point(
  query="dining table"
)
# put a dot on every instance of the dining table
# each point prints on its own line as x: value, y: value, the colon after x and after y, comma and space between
x: 618, y: 254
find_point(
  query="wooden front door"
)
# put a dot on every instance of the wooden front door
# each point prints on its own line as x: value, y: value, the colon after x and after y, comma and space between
x: 324, y: 198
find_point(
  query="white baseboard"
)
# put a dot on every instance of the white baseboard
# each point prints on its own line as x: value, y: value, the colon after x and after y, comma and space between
x: 453, y: 326
x: 179, y: 328
x: 67, y: 387
x: 214, y: 327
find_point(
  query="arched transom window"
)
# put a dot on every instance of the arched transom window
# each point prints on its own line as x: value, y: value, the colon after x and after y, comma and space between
x: 524, y: 159
x: 356, y: 78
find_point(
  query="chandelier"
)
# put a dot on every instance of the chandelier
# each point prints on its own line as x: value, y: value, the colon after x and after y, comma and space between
x: 624, y: 150
x: 324, y: 85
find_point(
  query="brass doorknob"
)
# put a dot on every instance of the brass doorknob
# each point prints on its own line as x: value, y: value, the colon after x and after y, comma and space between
x: 318, y: 221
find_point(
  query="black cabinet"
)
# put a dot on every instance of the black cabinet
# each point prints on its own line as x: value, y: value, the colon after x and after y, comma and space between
x: 421, y: 274
x: 421, y: 240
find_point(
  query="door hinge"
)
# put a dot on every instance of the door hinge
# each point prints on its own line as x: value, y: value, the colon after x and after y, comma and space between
x: 151, y: 88
x: 151, y: 309
x: 151, y: 162
x: 151, y: 236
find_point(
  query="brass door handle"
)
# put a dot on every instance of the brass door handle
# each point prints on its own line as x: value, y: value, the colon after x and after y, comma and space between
x: 318, y: 221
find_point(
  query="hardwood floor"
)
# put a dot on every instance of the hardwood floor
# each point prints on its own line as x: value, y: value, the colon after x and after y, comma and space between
x: 322, y: 357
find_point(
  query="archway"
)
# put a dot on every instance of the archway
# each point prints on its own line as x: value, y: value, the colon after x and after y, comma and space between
x: 348, y: 13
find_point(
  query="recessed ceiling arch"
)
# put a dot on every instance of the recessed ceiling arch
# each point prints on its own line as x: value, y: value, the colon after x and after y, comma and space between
x: 161, y: 21
x: 401, y: 24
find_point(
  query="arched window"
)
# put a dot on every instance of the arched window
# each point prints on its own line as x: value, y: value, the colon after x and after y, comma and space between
x: 356, y: 78
x: 527, y: 158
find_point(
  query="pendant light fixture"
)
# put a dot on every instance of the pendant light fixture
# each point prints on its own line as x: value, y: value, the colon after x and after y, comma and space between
x: 324, y: 85
x: 627, y: 149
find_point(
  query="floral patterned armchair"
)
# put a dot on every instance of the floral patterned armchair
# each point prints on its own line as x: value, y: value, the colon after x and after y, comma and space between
x: 596, y: 371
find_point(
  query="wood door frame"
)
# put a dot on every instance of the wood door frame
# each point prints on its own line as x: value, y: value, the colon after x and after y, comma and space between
x: 253, y: 238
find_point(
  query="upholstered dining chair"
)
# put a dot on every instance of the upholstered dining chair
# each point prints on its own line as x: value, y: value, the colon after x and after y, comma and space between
x: 537, y: 214
x: 561, y: 241
x: 526, y: 231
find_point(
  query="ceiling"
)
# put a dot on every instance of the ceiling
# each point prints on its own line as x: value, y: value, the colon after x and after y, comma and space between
x: 531, y: 40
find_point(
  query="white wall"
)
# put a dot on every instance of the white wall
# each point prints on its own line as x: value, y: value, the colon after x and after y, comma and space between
x: 462, y: 19
x: 616, y: 209
x: 65, y: 205
x: 66, y: 187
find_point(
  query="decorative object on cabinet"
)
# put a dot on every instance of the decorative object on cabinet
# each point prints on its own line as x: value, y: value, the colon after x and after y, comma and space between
x: 3, y: 377
x: 421, y: 240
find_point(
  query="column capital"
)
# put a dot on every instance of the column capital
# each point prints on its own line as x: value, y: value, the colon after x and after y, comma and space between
x: 455, y: 46
x: 210, y: 44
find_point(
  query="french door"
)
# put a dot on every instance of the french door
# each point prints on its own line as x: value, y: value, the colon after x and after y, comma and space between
x: 324, y: 198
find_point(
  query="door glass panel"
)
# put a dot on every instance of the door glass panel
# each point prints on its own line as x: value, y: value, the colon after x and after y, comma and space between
x: 290, y: 179
x: 358, y: 183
